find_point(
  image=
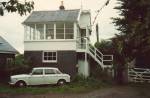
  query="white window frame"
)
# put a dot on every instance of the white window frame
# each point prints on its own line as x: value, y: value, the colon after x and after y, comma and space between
x: 69, y: 33
x: 38, y: 34
x: 64, y: 33
x: 60, y: 33
x: 50, y: 28
x: 49, y: 61
x: 33, y: 36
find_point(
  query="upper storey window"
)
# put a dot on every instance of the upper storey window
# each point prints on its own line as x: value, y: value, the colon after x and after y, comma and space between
x: 34, y: 32
x: 30, y: 32
x: 64, y: 31
x: 69, y: 31
x: 60, y: 31
x: 49, y: 31
x: 39, y: 31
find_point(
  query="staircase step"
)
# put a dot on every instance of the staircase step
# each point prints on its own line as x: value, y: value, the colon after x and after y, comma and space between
x: 98, y: 57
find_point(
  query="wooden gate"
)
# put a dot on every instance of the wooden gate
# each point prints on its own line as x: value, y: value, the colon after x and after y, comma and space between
x: 138, y: 75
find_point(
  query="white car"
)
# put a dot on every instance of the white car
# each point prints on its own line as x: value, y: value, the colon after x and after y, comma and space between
x: 40, y: 76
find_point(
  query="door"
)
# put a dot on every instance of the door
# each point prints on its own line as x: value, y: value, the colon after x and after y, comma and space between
x: 36, y: 77
x: 83, y: 41
x: 50, y: 77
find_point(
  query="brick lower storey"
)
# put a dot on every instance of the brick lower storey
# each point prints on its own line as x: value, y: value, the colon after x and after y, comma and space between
x: 66, y: 61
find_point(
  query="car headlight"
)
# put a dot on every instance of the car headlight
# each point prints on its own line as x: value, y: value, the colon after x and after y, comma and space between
x: 13, y: 80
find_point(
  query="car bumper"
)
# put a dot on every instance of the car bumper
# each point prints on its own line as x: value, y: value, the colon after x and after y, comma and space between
x: 11, y: 83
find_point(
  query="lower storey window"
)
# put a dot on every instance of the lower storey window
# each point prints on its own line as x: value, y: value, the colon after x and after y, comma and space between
x: 9, y: 61
x: 49, y: 56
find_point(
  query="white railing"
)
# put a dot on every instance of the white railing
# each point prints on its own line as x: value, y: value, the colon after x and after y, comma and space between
x: 103, y: 60
x: 138, y: 75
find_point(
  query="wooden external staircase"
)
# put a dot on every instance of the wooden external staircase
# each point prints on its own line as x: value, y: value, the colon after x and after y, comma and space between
x: 105, y: 61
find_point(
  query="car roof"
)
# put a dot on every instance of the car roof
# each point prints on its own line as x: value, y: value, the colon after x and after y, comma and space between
x: 45, y: 68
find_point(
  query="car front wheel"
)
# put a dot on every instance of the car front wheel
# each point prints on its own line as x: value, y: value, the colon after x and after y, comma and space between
x: 20, y: 84
x: 61, y: 82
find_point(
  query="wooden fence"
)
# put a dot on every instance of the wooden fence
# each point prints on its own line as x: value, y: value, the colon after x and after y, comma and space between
x: 138, y: 75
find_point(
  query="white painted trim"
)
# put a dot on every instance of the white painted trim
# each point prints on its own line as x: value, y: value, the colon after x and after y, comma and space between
x: 50, y: 45
x: 30, y: 34
x: 44, y: 31
x: 8, y: 52
x: 35, y: 36
x: 64, y: 31
x: 75, y: 31
x: 52, y: 40
x: 35, y: 32
x: 78, y: 19
x: 81, y: 50
x: 25, y: 32
x: 54, y: 31
x: 49, y: 61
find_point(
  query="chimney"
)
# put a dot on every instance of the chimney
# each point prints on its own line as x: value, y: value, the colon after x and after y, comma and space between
x: 62, y: 6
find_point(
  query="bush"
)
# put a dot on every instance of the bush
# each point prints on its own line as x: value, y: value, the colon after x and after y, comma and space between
x: 104, y: 46
x: 89, y: 82
x: 18, y: 66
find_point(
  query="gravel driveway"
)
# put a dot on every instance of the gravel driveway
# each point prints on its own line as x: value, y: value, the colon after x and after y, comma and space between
x: 114, y: 92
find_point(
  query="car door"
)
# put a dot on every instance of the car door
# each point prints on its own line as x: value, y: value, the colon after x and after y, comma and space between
x: 50, y: 76
x: 36, y: 77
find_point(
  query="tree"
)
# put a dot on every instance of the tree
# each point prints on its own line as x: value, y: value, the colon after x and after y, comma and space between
x: 133, y: 40
x: 15, y: 6
x: 134, y: 27
x: 105, y: 46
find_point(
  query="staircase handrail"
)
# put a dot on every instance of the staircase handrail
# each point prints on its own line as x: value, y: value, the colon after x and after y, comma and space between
x: 97, y: 54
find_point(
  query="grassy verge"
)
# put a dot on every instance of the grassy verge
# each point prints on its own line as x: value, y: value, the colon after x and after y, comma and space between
x: 78, y: 86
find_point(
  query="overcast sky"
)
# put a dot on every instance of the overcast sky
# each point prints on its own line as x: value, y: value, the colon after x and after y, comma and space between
x: 12, y: 30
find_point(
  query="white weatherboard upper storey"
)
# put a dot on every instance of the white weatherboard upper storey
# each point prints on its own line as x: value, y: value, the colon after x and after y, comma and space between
x: 50, y: 45
x: 83, y: 20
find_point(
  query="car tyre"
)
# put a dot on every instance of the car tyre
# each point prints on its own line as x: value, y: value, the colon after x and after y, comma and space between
x: 61, y: 82
x: 21, y: 84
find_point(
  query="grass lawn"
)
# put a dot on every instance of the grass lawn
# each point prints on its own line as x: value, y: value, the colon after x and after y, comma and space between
x: 78, y: 86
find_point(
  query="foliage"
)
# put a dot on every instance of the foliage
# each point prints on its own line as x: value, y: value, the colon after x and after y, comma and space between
x: 134, y: 26
x: 102, y: 75
x: 19, y: 61
x: 16, y: 6
x: 104, y: 46
x: 81, y: 80
x: 18, y: 66
x: 133, y: 40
